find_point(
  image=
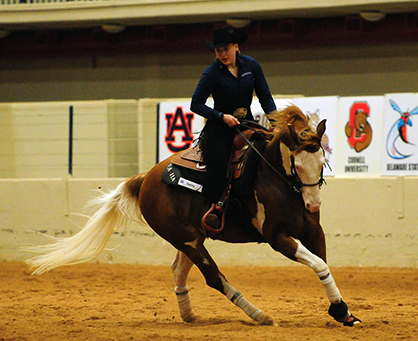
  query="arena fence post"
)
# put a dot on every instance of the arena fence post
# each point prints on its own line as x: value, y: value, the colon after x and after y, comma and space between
x: 70, y: 141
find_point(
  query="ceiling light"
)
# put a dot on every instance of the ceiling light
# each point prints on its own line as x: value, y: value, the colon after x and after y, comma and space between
x: 372, y: 15
x: 113, y: 28
x: 238, y: 23
x: 4, y: 33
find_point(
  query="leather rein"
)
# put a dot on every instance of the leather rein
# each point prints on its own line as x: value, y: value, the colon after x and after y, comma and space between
x: 297, y: 184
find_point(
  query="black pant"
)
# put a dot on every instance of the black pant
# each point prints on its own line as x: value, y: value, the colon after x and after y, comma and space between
x: 216, y: 143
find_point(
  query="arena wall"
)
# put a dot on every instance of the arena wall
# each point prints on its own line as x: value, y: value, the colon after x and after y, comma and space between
x: 311, y: 71
x: 368, y: 222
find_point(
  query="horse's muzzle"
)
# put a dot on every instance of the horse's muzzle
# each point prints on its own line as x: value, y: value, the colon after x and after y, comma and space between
x: 311, y: 199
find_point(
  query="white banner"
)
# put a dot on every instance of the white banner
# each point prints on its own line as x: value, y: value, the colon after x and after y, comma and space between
x: 317, y: 109
x: 360, y: 132
x: 258, y: 112
x: 400, y: 139
x: 178, y: 127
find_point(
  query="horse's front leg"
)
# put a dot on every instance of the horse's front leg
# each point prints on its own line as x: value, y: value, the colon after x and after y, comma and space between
x: 295, y: 250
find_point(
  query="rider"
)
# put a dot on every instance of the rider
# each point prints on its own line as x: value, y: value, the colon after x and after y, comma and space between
x: 231, y: 80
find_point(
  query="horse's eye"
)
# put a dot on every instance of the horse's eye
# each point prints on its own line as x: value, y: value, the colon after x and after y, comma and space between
x: 303, y: 134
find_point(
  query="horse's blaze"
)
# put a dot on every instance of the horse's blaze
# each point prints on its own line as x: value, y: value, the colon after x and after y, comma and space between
x: 309, y: 167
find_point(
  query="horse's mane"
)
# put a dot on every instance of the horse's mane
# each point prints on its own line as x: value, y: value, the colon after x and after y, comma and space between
x: 293, y: 116
x: 290, y: 115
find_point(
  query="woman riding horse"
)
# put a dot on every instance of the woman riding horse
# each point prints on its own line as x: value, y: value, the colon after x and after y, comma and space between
x: 231, y: 80
x: 283, y: 211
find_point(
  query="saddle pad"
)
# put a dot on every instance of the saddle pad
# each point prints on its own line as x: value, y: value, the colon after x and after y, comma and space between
x: 179, y: 176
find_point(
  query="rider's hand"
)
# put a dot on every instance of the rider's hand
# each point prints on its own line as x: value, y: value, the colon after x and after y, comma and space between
x: 230, y: 120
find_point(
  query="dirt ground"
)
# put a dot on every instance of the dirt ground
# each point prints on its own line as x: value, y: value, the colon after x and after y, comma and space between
x: 136, y: 302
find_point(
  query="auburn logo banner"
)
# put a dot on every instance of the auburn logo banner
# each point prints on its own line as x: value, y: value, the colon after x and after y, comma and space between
x: 178, y: 127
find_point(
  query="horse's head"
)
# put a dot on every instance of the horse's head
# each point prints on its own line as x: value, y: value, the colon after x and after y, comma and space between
x: 303, y: 159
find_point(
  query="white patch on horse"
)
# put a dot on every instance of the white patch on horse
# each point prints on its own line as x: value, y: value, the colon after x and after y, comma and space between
x: 306, y: 257
x: 193, y: 244
x: 259, y: 219
x: 284, y: 150
x: 309, y: 167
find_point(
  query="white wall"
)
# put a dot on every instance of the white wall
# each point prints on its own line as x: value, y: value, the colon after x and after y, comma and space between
x: 368, y: 222
x: 34, y: 139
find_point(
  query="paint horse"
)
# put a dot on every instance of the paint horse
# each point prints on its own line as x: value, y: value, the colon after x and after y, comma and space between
x: 282, y: 210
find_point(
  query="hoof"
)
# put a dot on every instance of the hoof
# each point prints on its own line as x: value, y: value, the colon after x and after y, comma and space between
x: 190, y: 318
x: 341, y: 314
x: 352, y: 321
x: 266, y: 320
x: 339, y: 311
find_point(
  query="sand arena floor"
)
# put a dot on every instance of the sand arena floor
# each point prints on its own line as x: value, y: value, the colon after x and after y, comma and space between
x: 136, y: 302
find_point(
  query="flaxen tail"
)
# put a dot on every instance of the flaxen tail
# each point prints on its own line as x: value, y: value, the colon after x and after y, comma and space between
x: 117, y: 208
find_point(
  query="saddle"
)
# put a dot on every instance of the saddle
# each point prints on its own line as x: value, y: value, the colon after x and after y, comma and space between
x: 192, y: 158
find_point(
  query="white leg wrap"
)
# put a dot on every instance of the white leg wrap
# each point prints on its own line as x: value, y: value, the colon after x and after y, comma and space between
x: 330, y: 287
x: 185, y: 304
x: 304, y: 256
x: 240, y: 301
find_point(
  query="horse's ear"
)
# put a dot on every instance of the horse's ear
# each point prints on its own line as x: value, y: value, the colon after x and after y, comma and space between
x: 293, y: 134
x: 320, y: 129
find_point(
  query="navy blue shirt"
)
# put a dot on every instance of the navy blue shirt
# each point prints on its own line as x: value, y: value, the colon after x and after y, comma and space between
x: 229, y: 92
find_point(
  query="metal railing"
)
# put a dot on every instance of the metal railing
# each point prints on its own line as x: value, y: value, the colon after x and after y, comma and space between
x: 25, y: 2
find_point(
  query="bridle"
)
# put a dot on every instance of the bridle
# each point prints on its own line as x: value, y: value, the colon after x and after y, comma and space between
x: 296, y: 184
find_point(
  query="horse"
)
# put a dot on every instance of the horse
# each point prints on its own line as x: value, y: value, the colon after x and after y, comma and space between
x: 282, y: 209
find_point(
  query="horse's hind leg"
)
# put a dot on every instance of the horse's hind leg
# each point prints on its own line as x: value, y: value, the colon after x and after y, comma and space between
x: 198, y: 254
x: 181, y: 267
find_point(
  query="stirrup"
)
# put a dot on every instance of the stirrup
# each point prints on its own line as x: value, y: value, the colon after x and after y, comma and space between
x: 214, y: 219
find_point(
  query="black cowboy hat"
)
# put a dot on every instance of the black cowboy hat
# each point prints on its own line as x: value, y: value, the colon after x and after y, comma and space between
x: 226, y: 35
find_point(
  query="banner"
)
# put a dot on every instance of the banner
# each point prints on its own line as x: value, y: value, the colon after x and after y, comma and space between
x: 360, y: 131
x: 400, y: 139
x: 317, y: 109
x: 258, y: 112
x: 365, y: 136
x: 178, y: 127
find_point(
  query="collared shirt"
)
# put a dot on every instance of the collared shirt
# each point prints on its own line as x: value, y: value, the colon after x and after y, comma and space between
x: 229, y: 92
